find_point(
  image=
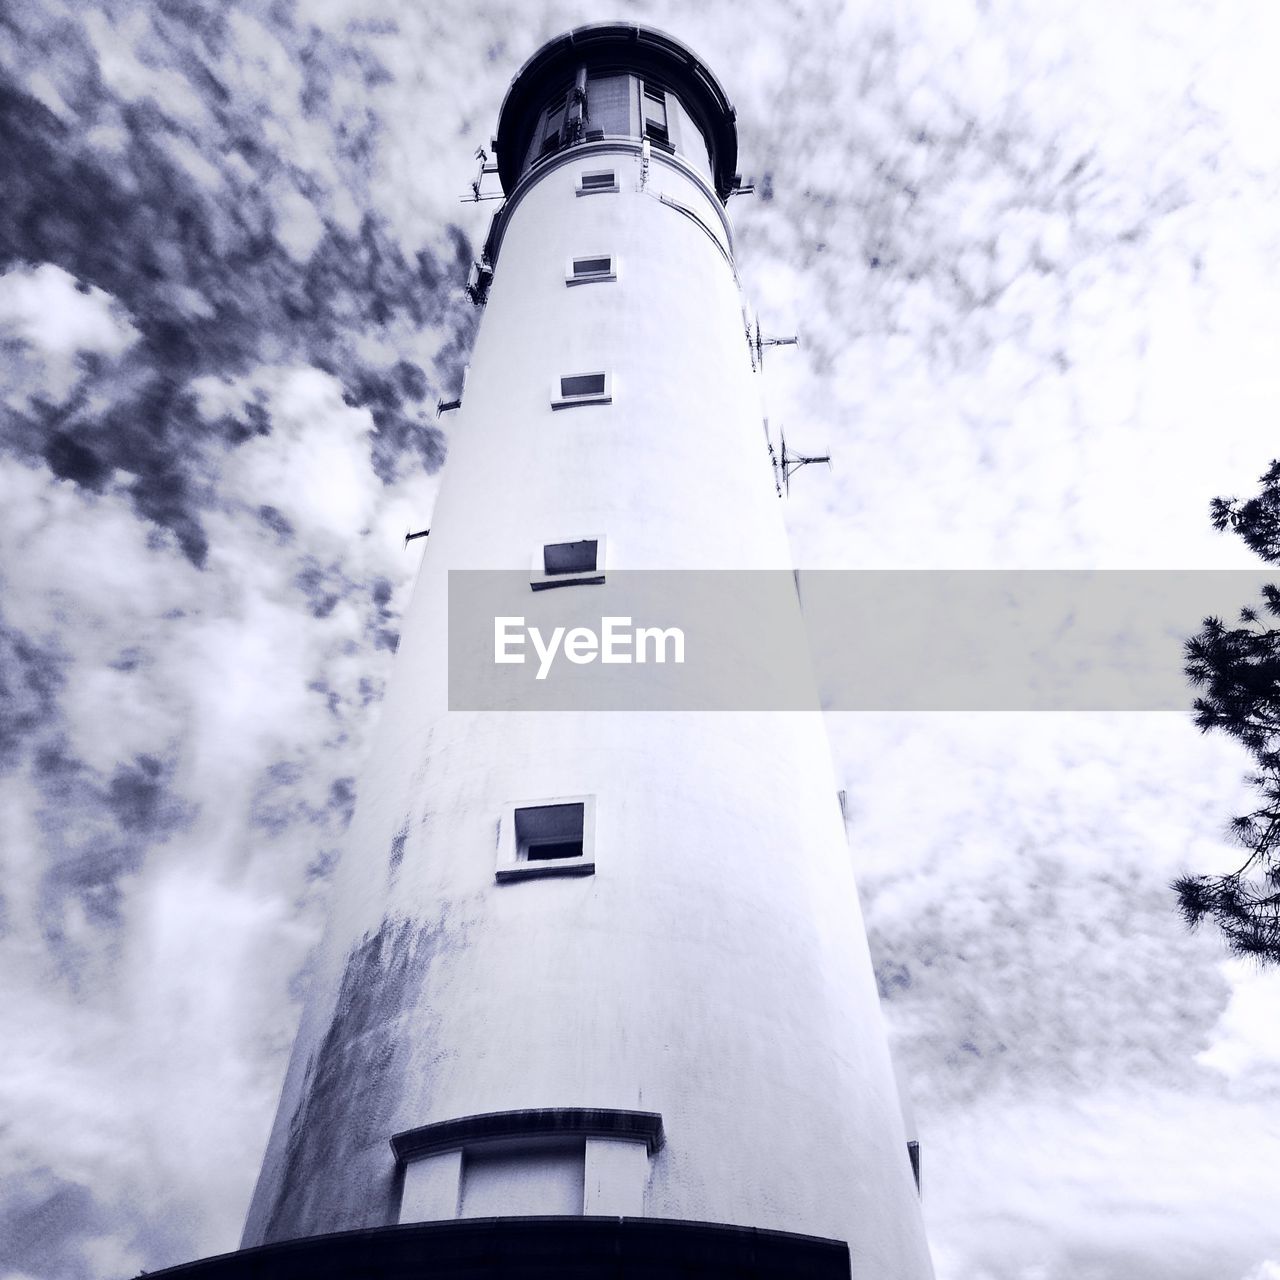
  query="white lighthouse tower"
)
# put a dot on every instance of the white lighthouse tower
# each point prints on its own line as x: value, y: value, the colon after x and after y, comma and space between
x: 595, y: 997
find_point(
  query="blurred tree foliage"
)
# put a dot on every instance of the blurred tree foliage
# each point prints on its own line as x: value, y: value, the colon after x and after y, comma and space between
x: 1237, y: 671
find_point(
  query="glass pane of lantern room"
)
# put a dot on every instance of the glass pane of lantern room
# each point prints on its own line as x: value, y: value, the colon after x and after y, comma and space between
x: 609, y: 104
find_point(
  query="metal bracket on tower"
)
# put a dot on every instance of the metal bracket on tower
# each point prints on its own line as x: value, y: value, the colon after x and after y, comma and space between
x: 741, y: 187
x: 444, y: 406
x: 481, y: 276
x: 786, y: 463
x: 487, y: 167
x: 409, y: 537
x: 576, y: 115
x: 762, y: 342
x: 478, y: 282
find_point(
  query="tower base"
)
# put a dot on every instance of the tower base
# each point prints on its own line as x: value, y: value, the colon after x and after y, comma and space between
x: 568, y: 1248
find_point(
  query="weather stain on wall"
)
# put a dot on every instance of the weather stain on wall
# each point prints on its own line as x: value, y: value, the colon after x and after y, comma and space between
x: 337, y: 1147
x: 397, y: 852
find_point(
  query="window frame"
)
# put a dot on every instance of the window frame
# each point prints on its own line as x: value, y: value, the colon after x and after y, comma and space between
x: 596, y: 189
x: 541, y: 580
x: 559, y: 400
x: 549, y: 142
x: 512, y: 866
x: 595, y: 277
x: 531, y: 1149
x: 663, y: 137
x: 437, y: 1154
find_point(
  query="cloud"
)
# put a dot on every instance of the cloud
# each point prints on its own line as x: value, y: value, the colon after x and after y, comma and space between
x: 1100, y: 1185
x: 996, y: 915
x: 1004, y: 252
x: 1020, y: 248
x: 44, y: 307
x: 219, y: 363
x: 1054, y: 1024
x: 1245, y: 1044
x: 1267, y: 1270
x: 312, y: 467
x: 55, y: 1227
x: 156, y: 186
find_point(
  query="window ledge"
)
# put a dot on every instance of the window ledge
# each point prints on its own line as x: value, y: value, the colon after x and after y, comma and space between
x: 581, y: 1122
x: 545, y: 583
x: 545, y: 867
x: 569, y: 402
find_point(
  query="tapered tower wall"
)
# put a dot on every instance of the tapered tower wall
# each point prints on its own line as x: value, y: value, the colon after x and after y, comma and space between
x: 712, y: 970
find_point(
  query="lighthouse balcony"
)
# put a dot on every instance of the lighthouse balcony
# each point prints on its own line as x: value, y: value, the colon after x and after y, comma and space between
x: 535, y: 1248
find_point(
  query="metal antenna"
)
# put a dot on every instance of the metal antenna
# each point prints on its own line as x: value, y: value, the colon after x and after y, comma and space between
x: 761, y: 342
x: 485, y: 169
x: 792, y: 462
x: 786, y: 465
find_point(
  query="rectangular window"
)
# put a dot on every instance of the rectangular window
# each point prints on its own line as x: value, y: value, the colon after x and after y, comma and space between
x: 654, y: 105
x: 570, y: 557
x: 609, y: 100
x: 552, y: 838
x: 551, y: 126
x: 561, y: 1161
x: 566, y: 564
x: 546, y: 132
x: 545, y: 1180
x: 587, y: 270
x: 600, y: 180
x: 582, y: 388
x: 548, y: 831
x: 582, y: 384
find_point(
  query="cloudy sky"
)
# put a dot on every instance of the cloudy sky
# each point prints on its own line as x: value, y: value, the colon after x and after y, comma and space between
x: 1031, y: 249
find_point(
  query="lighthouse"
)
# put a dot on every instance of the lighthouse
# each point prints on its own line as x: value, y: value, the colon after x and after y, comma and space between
x: 595, y: 997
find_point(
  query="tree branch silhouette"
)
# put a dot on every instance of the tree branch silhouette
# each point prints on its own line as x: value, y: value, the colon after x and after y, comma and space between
x: 1237, y: 670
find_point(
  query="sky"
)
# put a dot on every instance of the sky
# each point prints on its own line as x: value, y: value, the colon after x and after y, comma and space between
x: 1031, y: 254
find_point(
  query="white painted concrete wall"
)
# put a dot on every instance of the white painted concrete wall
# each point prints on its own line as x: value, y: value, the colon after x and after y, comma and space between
x: 714, y: 968
x: 432, y: 1186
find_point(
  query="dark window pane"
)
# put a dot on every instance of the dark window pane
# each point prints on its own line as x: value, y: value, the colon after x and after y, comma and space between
x: 555, y: 849
x: 570, y: 557
x: 609, y: 103
x: 583, y: 384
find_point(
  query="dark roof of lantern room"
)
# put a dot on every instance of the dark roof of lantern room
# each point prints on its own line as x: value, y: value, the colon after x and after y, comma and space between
x: 603, y: 47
